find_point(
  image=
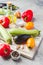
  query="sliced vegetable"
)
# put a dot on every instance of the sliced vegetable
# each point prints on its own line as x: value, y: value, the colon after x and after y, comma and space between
x: 29, y: 25
x: 30, y: 43
x: 19, y: 31
x: 22, y: 38
x: 6, y: 36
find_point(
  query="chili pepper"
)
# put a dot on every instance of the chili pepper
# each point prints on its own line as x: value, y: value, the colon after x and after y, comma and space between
x: 5, y: 50
x: 27, y: 15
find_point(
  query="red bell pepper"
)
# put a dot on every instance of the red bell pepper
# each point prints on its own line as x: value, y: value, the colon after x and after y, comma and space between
x: 27, y: 15
x: 5, y: 50
x: 5, y: 22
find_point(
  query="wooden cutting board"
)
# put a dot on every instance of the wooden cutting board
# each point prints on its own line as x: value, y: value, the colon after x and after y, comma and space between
x: 26, y: 52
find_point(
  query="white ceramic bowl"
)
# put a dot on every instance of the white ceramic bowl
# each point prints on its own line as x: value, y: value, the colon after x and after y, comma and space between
x: 15, y: 58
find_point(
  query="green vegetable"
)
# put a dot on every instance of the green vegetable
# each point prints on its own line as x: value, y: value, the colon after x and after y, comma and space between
x: 2, y: 11
x: 19, y: 31
x: 14, y: 7
x: 6, y: 36
x: 8, y: 12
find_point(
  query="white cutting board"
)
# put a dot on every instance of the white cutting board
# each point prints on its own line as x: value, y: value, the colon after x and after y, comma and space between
x: 26, y: 52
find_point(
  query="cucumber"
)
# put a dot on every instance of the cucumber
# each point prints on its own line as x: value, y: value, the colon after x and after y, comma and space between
x: 19, y: 31
x: 5, y: 35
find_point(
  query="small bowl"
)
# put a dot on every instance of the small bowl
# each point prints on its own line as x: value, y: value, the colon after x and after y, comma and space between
x: 15, y: 55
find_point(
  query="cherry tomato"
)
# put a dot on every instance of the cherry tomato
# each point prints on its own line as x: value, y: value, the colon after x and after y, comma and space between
x: 29, y: 25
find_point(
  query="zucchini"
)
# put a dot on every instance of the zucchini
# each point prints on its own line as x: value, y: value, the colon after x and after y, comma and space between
x: 19, y: 31
x: 5, y: 35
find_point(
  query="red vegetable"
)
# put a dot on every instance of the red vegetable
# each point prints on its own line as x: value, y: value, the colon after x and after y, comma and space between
x: 5, y: 50
x: 5, y: 22
x: 27, y: 15
x: 0, y: 21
